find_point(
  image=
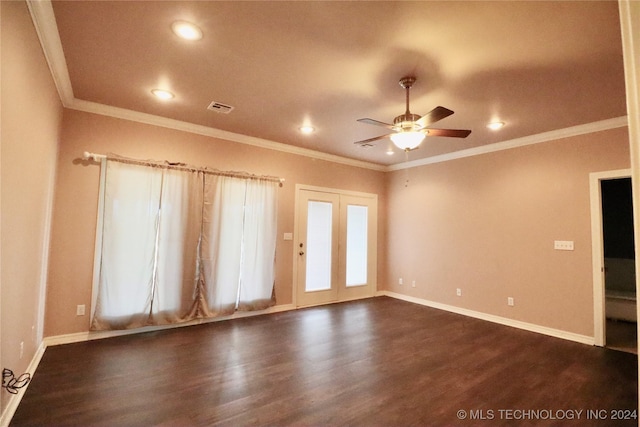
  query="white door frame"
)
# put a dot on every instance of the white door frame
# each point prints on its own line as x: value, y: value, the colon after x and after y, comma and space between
x: 597, y: 250
x: 297, y: 238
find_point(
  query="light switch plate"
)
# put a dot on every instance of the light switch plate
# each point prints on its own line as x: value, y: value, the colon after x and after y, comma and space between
x: 288, y: 236
x: 563, y: 245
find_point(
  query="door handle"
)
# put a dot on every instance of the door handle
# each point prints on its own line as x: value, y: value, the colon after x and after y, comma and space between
x: 301, y: 253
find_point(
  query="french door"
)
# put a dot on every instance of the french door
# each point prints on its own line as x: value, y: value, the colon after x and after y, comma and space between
x: 335, y: 246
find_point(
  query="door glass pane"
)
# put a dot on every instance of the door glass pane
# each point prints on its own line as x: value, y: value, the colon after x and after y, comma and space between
x: 319, y: 220
x: 356, y: 245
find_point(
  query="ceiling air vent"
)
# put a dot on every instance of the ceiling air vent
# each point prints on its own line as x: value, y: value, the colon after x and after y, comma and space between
x: 219, y: 107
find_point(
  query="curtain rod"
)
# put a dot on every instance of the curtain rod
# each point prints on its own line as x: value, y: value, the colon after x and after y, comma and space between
x: 179, y: 166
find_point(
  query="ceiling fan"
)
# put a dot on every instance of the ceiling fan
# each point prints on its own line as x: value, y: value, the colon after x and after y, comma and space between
x: 410, y: 129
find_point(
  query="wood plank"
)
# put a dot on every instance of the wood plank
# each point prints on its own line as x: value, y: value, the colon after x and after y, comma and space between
x: 378, y: 361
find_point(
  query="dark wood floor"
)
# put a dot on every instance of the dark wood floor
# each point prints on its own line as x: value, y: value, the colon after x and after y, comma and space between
x: 622, y: 335
x: 372, y: 362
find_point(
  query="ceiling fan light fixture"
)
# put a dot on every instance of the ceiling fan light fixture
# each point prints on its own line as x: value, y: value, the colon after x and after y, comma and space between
x: 407, y: 140
x: 495, y: 125
x: 186, y: 30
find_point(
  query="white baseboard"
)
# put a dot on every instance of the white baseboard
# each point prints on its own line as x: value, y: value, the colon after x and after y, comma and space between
x: 14, y: 399
x: 87, y: 336
x: 557, y: 333
x: 96, y: 335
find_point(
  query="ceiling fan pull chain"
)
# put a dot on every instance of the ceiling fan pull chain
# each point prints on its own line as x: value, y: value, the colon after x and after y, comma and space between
x: 406, y: 159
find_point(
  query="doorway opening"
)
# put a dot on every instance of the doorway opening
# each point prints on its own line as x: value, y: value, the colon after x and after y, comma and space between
x: 614, y: 261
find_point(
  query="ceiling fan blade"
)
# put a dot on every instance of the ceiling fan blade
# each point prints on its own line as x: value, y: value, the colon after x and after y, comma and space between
x: 453, y: 133
x: 366, y: 141
x: 433, y: 116
x: 376, y: 122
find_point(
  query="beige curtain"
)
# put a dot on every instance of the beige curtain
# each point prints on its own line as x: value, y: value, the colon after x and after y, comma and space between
x: 181, y: 244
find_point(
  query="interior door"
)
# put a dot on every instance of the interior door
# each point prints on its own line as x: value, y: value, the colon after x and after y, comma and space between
x: 336, y: 247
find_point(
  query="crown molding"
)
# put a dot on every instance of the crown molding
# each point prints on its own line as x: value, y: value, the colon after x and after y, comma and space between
x: 553, y: 135
x: 150, y: 119
x: 45, y: 23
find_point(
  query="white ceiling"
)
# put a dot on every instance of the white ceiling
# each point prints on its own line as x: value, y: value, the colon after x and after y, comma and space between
x: 538, y: 66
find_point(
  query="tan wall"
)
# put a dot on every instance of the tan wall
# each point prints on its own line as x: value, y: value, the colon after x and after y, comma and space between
x: 31, y: 118
x: 75, y: 208
x: 487, y: 224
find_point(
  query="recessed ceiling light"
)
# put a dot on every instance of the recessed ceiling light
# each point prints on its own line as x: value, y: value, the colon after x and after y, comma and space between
x: 307, y: 130
x: 162, y: 94
x: 186, y: 30
x: 495, y: 125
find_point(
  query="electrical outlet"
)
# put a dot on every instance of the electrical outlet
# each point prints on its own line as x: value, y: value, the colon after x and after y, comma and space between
x: 510, y: 302
x: 459, y: 292
x: 80, y: 310
x: 400, y: 282
x: 413, y: 283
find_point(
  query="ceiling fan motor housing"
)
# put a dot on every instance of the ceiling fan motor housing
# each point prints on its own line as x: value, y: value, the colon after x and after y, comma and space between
x: 407, y: 122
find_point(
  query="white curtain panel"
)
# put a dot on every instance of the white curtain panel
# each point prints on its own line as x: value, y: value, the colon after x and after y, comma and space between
x: 177, y: 245
x: 259, y: 245
x: 222, y: 241
x: 130, y: 220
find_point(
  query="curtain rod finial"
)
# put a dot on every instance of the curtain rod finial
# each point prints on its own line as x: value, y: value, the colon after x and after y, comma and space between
x: 93, y: 156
